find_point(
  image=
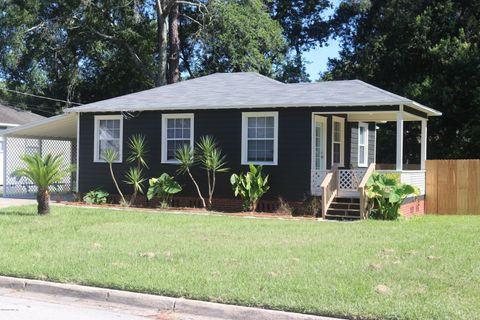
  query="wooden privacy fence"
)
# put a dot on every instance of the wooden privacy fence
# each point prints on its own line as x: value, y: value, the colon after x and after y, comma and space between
x: 452, y: 187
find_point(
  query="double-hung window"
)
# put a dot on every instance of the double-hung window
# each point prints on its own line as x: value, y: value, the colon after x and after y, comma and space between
x: 108, y: 135
x: 362, y: 144
x: 260, y: 138
x: 177, y: 130
x: 338, y: 140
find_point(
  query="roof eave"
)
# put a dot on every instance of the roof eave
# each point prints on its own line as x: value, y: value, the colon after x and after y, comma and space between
x: 87, y: 109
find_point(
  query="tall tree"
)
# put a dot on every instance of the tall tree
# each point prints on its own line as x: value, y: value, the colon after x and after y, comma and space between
x: 306, y: 26
x: 424, y: 49
x: 241, y: 36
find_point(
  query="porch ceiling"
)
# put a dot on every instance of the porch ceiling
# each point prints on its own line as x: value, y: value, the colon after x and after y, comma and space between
x: 58, y: 127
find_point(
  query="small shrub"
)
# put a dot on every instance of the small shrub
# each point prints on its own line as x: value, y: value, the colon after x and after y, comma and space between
x: 96, y: 196
x: 250, y: 186
x: 388, y: 195
x: 284, y: 208
x: 164, y: 187
x: 312, y: 205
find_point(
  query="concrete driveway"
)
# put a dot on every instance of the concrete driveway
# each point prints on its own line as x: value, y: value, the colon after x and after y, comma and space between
x: 11, y: 202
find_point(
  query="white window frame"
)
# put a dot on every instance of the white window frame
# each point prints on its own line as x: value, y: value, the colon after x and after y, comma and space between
x: 96, y: 156
x: 167, y: 116
x: 365, y: 145
x: 342, y: 139
x: 245, y: 116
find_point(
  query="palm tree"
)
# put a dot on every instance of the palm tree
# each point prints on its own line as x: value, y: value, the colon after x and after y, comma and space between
x: 43, y: 173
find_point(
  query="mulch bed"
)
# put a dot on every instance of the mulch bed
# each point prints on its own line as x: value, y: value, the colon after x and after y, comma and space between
x: 199, y: 211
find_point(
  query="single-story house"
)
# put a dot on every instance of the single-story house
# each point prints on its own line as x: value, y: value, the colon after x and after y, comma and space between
x: 304, y: 134
x: 11, y: 117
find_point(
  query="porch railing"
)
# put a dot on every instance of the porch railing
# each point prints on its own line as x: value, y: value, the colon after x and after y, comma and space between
x: 329, y: 188
x: 364, y: 203
x: 348, y: 181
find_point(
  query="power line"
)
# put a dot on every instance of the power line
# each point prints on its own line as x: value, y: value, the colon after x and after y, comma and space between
x: 41, y: 97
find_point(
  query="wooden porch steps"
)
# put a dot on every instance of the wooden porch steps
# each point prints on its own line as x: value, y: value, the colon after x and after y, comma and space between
x: 344, y: 209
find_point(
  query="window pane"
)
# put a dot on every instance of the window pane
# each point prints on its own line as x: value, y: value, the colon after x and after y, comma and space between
x: 105, y: 145
x: 261, y: 133
x: 336, y: 153
x: 270, y: 122
x: 170, y: 133
x: 336, y: 132
x: 269, y: 133
x: 173, y: 146
x: 362, y: 155
x: 171, y: 123
x: 362, y: 135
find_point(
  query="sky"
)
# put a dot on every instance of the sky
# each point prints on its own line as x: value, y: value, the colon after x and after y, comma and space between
x: 318, y: 58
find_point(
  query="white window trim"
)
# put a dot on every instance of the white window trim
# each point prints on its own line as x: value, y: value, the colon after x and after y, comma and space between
x: 167, y: 116
x: 342, y: 139
x: 245, y: 116
x: 365, y: 126
x: 96, y: 156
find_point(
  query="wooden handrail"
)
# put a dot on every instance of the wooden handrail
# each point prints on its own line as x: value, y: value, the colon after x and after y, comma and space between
x: 366, y: 176
x: 329, y: 189
x: 361, y: 190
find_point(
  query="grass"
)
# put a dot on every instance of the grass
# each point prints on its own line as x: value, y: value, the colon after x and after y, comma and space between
x: 421, y: 268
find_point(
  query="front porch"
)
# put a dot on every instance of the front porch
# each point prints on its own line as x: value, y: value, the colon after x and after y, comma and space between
x: 333, y: 176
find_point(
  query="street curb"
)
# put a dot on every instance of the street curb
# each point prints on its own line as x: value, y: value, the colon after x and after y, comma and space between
x: 161, y: 303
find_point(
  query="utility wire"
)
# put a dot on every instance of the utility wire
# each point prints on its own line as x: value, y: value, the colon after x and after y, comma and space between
x: 41, y: 97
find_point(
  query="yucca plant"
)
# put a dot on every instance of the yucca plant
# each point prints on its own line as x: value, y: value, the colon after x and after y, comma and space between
x: 137, y: 145
x: 211, y: 160
x: 186, y: 158
x: 43, y: 172
x: 111, y: 155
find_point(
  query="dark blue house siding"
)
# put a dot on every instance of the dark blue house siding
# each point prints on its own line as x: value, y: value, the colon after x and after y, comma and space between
x: 289, y: 179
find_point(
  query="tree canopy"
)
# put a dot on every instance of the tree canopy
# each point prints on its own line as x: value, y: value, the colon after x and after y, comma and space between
x: 425, y: 50
x: 84, y: 51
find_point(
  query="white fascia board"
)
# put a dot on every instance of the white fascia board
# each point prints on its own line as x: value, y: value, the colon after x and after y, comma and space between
x: 19, y: 129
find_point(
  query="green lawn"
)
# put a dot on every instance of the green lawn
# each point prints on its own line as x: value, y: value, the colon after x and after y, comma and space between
x: 430, y: 265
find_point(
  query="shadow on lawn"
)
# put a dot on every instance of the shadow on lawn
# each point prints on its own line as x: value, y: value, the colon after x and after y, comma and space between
x: 18, y: 211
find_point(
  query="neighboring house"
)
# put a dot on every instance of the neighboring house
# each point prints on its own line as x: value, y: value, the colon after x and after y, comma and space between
x: 299, y: 132
x: 12, y: 117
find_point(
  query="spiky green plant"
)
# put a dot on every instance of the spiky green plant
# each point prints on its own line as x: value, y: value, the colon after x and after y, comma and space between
x: 111, y: 155
x: 185, y: 156
x: 138, y: 151
x: 43, y: 172
x: 137, y: 145
x: 135, y: 178
x: 211, y: 160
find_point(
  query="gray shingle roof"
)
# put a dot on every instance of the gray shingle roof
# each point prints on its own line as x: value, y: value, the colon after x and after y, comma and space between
x: 247, y: 90
x: 10, y: 115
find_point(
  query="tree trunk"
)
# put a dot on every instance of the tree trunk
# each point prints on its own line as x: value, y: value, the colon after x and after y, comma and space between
x: 43, y: 200
x: 174, y: 45
x: 162, y: 39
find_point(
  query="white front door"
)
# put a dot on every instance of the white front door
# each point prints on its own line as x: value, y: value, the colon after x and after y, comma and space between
x: 319, y: 143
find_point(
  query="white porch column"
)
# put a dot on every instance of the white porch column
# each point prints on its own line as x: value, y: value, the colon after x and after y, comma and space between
x: 423, y: 145
x: 399, y: 162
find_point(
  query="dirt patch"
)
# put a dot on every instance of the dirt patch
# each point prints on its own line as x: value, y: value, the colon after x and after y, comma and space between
x: 375, y: 266
x: 382, y: 289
